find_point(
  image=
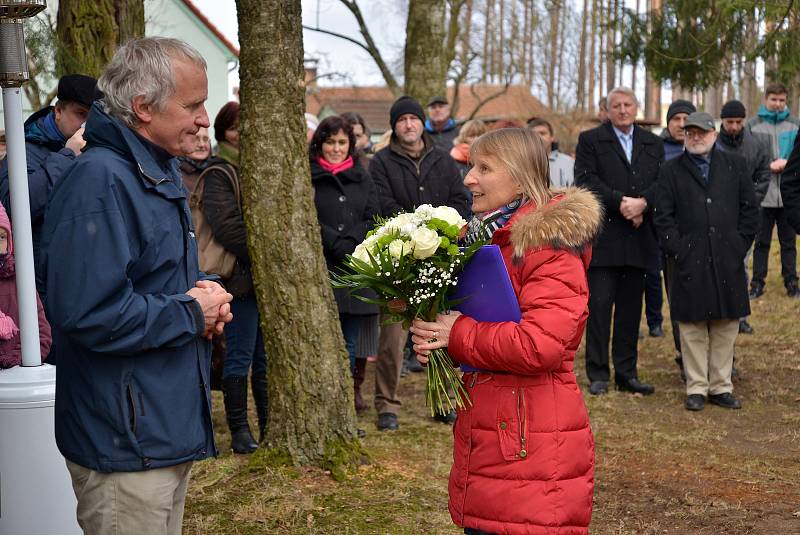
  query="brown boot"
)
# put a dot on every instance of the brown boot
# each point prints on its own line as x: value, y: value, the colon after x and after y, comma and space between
x: 358, y: 380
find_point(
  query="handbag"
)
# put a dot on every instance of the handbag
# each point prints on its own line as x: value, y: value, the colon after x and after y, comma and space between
x: 211, y: 255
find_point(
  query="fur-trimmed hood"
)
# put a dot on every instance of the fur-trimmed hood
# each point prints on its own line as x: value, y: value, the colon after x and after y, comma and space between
x: 570, y: 221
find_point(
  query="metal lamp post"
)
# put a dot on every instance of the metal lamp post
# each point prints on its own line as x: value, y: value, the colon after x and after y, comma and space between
x: 36, y: 496
x: 13, y: 73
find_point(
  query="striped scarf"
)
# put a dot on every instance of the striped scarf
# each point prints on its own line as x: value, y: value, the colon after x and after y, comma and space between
x: 483, y: 226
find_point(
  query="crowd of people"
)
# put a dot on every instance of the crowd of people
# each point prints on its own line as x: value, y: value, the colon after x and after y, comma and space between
x: 140, y: 248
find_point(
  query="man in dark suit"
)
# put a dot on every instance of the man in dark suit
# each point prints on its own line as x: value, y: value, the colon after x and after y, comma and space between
x: 619, y: 161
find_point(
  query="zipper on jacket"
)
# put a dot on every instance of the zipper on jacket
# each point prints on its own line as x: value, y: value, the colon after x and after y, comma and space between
x: 523, y: 424
x: 132, y: 407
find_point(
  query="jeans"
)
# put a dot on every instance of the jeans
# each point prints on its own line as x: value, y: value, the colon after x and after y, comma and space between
x: 244, y: 341
x: 350, y: 327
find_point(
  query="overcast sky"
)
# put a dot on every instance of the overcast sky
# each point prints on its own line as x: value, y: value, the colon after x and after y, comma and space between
x: 385, y: 20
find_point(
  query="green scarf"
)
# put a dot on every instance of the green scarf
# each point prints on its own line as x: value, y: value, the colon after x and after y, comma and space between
x: 229, y: 153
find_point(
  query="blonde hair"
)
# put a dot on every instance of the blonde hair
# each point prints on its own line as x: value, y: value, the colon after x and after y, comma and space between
x: 522, y: 153
x: 470, y: 130
x: 383, y: 142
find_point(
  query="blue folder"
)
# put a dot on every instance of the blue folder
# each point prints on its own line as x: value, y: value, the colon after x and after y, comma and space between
x: 486, y: 290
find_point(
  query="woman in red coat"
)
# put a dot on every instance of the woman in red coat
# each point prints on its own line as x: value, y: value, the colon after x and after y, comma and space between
x: 523, y: 458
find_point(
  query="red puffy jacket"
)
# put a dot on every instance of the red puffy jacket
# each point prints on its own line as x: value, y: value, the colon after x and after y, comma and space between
x: 523, y: 458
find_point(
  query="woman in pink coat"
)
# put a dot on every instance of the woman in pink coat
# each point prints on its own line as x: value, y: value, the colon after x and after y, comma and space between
x: 10, y: 349
x: 523, y: 458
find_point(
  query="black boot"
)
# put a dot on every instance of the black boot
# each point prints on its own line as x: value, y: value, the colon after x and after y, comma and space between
x: 234, y: 389
x: 259, y: 385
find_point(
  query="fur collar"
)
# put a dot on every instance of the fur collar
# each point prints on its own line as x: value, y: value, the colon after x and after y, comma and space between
x: 570, y: 221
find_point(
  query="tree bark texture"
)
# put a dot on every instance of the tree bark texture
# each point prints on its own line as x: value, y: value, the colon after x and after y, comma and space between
x: 90, y: 32
x: 581, y: 93
x: 311, y: 419
x: 426, y: 56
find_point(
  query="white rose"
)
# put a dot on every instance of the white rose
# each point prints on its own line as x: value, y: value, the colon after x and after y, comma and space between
x: 399, y: 221
x: 361, y: 253
x: 399, y: 248
x: 424, y: 211
x: 425, y: 242
x: 449, y: 215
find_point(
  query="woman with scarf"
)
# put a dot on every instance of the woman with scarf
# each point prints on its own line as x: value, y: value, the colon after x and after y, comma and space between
x: 523, y: 458
x: 222, y: 202
x: 347, y: 203
x: 196, y: 159
x: 10, y: 348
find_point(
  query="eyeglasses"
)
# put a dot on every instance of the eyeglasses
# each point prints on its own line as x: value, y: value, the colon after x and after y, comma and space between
x: 696, y: 133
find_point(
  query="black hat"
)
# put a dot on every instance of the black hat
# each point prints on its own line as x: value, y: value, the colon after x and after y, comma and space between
x: 701, y: 120
x: 680, y: 106
x: 438, y: 99
x: 733, y: 109
x: 78, y: 88
x: 404, y: 105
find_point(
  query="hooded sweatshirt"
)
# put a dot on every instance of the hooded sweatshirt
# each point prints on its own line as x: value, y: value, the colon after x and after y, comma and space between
x: 10, y: 349
x: 777, y: 131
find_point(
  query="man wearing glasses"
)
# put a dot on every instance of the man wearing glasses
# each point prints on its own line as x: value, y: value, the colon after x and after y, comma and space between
x: 706, y: 218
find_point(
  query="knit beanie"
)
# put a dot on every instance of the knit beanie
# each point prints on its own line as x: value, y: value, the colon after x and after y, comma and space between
x: 733, y: 109
x: 405, y: 105
x: 680, y: 106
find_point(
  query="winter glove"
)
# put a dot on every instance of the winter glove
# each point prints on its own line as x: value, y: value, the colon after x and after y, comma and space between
x: 8, y: 329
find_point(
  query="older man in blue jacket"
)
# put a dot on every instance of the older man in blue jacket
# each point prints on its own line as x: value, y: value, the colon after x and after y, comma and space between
x: 130, y: 311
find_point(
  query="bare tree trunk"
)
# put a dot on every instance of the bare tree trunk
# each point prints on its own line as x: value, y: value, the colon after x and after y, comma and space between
x: 592, y: 57
x: 425, y: 56
x: 90, y: 32
x: 611, y: 74
x: 526, y: 43
x: 652, y: 101
x: 311, y: 419
x: 554, y: 12
x: 601, y: 64
x: 560, y: 77
x: 581, y: 93
x: 501, y: 41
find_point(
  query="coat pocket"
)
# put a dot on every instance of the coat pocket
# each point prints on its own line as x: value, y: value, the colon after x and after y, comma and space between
x: 511, y: 423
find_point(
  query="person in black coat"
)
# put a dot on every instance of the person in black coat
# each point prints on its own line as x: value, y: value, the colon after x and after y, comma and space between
x: 706, y: 218
x: 347, y: 204
x: 410, y: 172
x: 222, y: 201
x: 619, y: 162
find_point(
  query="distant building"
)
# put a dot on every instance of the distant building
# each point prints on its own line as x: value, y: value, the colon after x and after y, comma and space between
x: 373, y: 103
x: 181, y: 19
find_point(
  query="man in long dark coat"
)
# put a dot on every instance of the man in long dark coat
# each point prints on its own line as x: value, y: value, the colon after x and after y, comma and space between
x: 619, y: 162
x: 706, y: 217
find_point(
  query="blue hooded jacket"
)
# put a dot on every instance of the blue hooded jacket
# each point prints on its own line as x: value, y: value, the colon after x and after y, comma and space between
x: 47, y: 161
x: 118, y: 255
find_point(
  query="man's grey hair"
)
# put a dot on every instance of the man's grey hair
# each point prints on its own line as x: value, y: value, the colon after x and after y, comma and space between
x: 143, y: 67
x: 622, y: 90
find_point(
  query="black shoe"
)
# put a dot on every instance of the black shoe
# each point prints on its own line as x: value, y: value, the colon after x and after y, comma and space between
x: 447, y: 418
x: 598, y: 387
x: 234, y: 389
x: 745, y: 328
x: 635, y: 386
x: 694, y: 402
x: 387, y: 422
x: 679, y: 362
x: 792, y: 290
x: 725, y: 400
x: 656, y: 331
x: 756, y: 290
x: 361, y: 433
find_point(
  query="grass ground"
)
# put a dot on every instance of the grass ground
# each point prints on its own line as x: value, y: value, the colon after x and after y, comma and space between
x: 660, y: 468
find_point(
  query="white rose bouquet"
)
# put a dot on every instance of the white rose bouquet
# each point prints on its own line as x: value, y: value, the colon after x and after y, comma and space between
x: 412, y: 261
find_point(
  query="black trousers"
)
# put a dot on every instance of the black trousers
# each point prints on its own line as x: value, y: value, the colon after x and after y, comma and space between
x: 786, y: 236
x: 653, y: 297
x: 614, y: 292
x: 676, y: 333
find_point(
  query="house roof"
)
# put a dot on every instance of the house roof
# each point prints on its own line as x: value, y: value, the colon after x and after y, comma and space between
x: 373, y: 103
x: 213, y: 29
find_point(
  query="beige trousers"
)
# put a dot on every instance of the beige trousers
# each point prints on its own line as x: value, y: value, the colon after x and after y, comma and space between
x: 121, y: 503
x: 707, y: 348
x: 391, y: 343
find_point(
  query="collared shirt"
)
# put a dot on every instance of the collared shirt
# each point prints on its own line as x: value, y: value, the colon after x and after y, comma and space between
x: 626, y: 140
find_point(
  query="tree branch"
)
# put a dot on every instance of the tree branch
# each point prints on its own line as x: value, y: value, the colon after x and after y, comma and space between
x: 371, y: 47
